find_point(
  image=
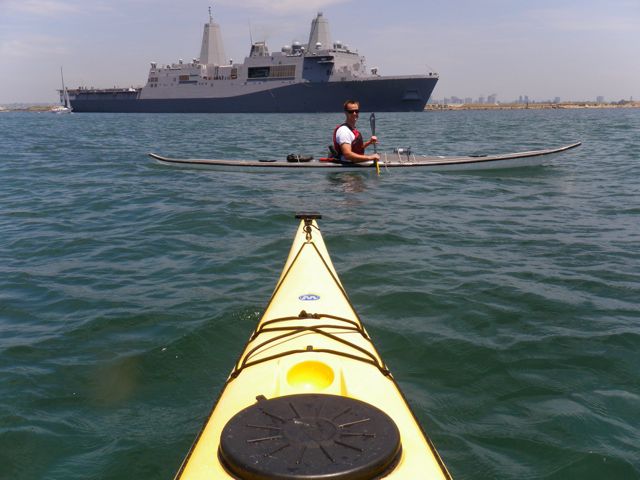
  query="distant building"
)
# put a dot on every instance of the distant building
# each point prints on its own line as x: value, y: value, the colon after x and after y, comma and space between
x: 468, y: 100
x: 556, y: 100
x: 492, y: 98
x: 600, y: 99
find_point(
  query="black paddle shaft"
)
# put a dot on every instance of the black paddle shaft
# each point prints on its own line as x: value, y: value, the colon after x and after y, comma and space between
x: 372, y: 123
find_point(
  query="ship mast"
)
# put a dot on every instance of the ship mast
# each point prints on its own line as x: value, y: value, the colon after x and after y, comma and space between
x: 212, y: 51
x: 319, y: 33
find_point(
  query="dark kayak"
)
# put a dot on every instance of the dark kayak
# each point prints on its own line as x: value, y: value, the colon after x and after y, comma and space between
x: 387, y: 161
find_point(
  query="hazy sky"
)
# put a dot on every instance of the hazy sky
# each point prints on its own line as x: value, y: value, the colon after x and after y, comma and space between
x: 573, y: 49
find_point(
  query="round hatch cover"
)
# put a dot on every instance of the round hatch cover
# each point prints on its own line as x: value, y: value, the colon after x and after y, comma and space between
x: 310, y: 437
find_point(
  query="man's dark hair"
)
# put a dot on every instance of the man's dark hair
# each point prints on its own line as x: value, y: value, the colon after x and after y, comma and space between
x: 348, y: 102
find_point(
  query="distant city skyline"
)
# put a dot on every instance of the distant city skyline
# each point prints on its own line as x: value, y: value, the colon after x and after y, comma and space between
x: 571, y: 49
x: 494, y: 98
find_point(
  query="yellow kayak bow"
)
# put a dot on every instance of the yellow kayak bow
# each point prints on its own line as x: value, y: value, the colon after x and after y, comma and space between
x: 310, y: 398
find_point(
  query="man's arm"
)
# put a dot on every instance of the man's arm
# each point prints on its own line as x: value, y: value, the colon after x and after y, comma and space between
x: 373, y: 139
x: 348, y: 154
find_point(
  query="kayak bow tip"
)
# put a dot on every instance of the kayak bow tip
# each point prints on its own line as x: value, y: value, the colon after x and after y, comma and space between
x: 308, y: 216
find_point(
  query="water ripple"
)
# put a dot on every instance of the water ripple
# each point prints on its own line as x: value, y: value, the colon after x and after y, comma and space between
x: 505, y: 303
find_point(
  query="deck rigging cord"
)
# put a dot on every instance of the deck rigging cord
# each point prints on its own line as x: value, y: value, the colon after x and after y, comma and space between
x: 247, y: 359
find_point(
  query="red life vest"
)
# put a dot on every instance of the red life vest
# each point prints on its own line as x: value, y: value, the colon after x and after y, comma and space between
x: 357, y: 145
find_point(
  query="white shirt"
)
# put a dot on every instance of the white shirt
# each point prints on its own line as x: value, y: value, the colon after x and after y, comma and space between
x: 344, y: 135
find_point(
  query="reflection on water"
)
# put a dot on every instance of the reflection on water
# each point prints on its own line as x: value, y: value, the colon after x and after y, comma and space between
x: 349, y: 182
x: 345, y: 188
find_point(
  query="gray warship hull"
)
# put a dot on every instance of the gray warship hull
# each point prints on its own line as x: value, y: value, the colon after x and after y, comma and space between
x: 393, y: 94
x: 318, y: 76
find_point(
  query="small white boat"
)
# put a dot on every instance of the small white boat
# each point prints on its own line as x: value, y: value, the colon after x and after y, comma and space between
x: 64, y: 98
x: 395, y: 160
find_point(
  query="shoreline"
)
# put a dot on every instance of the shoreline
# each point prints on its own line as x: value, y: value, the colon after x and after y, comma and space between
x: 532, y: 106
x: 429, y: 107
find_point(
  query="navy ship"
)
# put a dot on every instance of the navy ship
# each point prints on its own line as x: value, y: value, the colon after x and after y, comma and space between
x: 314, y: 77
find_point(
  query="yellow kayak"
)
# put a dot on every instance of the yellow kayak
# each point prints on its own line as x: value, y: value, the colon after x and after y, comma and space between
x: 310, y: 398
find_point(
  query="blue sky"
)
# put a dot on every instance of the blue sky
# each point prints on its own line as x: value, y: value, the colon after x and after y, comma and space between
x: 573, y: 49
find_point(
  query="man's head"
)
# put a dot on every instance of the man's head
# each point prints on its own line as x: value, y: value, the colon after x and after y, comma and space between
x: 352, y: 110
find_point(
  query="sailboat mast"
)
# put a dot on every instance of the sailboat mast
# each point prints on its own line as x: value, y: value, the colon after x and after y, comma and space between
x: 65, y: 93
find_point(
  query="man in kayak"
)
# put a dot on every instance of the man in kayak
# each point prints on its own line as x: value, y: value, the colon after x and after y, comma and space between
x: 347, y: 140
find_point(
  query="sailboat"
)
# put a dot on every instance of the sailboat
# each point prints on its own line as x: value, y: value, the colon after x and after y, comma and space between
x: 64, y: 97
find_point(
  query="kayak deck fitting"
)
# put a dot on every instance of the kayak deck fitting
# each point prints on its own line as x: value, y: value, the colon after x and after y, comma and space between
x: 310, y: 397
x: 387, y: 161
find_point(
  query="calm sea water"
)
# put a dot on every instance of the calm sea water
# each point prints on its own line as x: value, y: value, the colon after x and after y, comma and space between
x: 506, y: 303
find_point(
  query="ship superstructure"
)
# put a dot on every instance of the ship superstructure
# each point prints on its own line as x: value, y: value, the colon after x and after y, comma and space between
x: 314, y: 77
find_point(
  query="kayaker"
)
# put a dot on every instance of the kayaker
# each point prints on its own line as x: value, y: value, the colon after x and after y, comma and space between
x: 347, y: 140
